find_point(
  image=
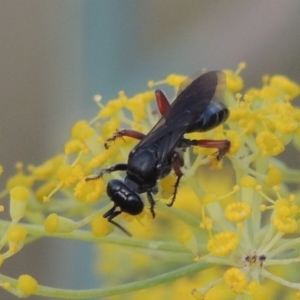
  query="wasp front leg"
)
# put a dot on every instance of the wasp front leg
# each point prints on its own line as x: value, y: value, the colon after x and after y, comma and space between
x: 124, y: 132
x: 152, y: 204
x: 116, y: 167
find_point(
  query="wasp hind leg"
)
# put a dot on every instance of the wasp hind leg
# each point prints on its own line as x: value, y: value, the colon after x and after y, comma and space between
x: 223, y: 146
x: 116, y: 167
x: 177, y: 163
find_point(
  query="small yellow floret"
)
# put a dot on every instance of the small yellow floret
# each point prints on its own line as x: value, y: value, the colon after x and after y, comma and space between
x: 235, y: 141
x: 112, y: 107
x: 175, y: 80
x: 109, y: 127
x: 20, y: 193
x: 269, y: 144
x: 51, y: 223
x: 284, y: 208
x: 147, y: 96
x: 236, y: 280
x: 27, y: 285
x: 44, y: 190
x: 90, y: 191
x: 249, y: 126
x: 49, y: 167
x: 248, y: 182
x: 207, y: 223
x: 239, y: 113
x: 263, y: 207
x: 288, y: 86
x: 74, y: 146
x: 18, y: 202
x: 274, y: 176
x: 1, y: 170
x: 284, y: 220
x: 234, y: 82
x: 68, y: 175
x: 18, y: 180
x: 101, y: 158
x: 16, y: 233
x: 258, y: 291
x: 238, y: 211
x: 223, y: 243
x: 286, y: 225
x: 55, y: 223
x: 100, y: 226
x: 81, y: 130
x: 137, y: 106
x: 270, y: 93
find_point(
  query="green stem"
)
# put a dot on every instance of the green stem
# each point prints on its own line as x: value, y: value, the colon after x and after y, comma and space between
x: 121, y: 289
x: 83, y: 235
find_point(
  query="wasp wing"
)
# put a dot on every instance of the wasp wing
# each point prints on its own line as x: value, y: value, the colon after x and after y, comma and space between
x: 184, y: 111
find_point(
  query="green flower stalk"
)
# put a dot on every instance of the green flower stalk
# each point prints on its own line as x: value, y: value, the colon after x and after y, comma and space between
x: 233, y: 232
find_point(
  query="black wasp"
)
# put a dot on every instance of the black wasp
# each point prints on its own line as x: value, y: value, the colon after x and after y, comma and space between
x: 195, y: 109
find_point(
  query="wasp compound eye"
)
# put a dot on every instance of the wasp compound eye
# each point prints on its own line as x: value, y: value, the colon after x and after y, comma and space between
x: 125, y: 198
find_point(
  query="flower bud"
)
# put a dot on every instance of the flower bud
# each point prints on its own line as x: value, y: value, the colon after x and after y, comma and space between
x: 18, y: 200
x: 27, y: 285
x: 16, y: 235
x: 55, y: 223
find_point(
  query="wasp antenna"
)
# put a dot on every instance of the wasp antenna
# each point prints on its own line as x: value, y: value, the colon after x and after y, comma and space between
x: 94, y: 178
x: 120, y: 227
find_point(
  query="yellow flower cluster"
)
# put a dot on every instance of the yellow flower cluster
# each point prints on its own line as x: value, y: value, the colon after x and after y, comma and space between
x: 233, y: 229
